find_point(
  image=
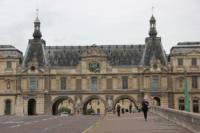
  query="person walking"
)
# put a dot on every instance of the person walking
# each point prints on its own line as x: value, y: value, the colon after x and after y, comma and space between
x: 118, y: 110
x: 145, y: 105
x: 130, y: 108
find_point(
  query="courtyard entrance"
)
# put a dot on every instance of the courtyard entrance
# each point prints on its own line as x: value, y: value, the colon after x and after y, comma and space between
x: 94, y: 106
x: 7, y: 107
x: 63, y: 105
x: 127, y: 104
x: 31, y: 107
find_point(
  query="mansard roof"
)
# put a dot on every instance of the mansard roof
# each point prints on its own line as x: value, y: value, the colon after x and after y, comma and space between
x: 117, y: 55
x: 185, y: 47
x: 35, y: 51
x: 10, y: 51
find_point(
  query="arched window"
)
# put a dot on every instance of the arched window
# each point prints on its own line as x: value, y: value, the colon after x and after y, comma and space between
x: 181, y: 103
x: 195, y: 104
x: 7, y: 110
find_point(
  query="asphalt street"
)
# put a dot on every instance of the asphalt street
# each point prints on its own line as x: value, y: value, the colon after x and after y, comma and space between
x: 46, y: 124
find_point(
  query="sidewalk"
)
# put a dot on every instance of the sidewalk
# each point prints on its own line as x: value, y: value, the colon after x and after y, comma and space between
x: 135, y: 123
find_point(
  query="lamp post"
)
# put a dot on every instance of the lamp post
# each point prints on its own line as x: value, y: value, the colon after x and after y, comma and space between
x: 186, y: 93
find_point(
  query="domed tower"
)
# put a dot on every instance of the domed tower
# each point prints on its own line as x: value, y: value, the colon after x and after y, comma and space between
x: 37, y: 34
x: 152, y: 31
x: 35, y: 54
x: 153, y: 47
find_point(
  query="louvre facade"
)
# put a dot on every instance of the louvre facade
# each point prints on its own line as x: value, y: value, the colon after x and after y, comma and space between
x: 97, y: 77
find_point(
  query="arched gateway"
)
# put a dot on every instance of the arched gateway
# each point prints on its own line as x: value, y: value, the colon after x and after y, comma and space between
x: 125, y: 101
x: 31, y: 107
x: 94, y: 104
x: 62, y: 104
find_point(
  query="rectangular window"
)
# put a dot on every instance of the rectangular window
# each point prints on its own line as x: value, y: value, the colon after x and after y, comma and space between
x: 180, y: 61
x: 94, y: 83
x: 8, y: 64
x: 155, y: 83
x: 109, y: 84
x: 125, y: 82
x: 62, y: 83
x: 78, y: 84
x: 194, y: 61
x: 181, y: 83
x: 33, y: 83
x: 194, y: 82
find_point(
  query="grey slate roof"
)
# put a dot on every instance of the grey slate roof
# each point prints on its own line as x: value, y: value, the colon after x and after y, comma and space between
x: 153, y: 50
x: 10, y: 51
x: 117, y: 55
x: 35, y: 50
x: 185, y: 47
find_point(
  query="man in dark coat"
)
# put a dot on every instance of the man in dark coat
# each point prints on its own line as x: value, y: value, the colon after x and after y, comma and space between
x: 130, y: 108
x: 145, y: 105
x: 118, y: 110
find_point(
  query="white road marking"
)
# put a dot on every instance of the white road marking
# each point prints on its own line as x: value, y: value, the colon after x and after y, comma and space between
x: 15, y: 126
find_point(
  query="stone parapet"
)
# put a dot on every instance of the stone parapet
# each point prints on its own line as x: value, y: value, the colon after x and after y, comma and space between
x: 188, y: 120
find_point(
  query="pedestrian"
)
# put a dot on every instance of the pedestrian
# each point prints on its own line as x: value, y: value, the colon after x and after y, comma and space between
x: 145, y: 105
x: 123, y: 111
x: 130, y: 108
x: 118, y: 110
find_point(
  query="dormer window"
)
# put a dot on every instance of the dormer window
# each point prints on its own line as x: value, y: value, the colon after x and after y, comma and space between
x: 194, y: 61
x: 180, y: 61
x: 8, y: 64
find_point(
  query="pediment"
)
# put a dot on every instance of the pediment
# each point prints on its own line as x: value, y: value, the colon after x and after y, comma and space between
x: 193, y: 52
x: 29, y: 70
x: 94, y: 51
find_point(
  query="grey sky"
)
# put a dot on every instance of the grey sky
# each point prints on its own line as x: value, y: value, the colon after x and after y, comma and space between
x: 85, y: 22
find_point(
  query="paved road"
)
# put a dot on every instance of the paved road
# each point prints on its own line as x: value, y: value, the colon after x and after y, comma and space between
x: 46, y: 124
x: 135, y: 124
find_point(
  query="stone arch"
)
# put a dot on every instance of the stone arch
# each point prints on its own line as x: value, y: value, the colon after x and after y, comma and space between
x: 157, y: 101
x: 89, y: 99
x: 55, y: 103
x: 32, y: 106
x: 8, y: 107
x: 125, y: 97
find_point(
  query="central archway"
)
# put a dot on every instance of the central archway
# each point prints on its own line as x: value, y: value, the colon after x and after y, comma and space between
x: 31, y: 107
x: 62, y: 104
x: 125, y: 102
x: 94, y: 105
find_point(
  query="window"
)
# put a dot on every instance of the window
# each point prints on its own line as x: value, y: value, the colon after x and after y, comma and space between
x: 180, y: 61
x: 33, y: 83
x: 195, y: 103
x: 109, y: 84
x: 181, y: 103
x: 94, y: 83
x: 155, y: 82
x: 78, y: 84
x: 194, y: 82
x: 125, y: 82
x: 181, y: 83
x: 62, y: 83
x: 8, y: 64
x: 194, y: 61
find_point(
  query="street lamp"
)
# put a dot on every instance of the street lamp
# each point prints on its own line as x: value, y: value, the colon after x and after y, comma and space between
x: 186, y: 93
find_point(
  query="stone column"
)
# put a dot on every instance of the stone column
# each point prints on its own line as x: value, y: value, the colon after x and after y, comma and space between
x: 109, y: 100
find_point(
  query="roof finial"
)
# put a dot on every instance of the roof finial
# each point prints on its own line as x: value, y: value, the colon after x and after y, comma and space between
x: 152, y: 10
x: 37, y: 12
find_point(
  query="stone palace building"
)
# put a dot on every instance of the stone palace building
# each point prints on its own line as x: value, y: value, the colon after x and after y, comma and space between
x: 46, y: 78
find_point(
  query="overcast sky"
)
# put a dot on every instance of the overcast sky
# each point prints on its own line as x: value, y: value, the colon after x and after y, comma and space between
x: 101, y: 22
